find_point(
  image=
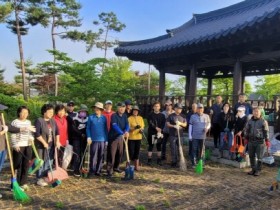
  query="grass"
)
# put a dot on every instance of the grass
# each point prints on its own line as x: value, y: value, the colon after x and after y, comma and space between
x: 140, y: 207
x: 59, y: 205
x: 161, y: 190
x: 156, y: 180
x: 103, y: 181
x: 167, y: 203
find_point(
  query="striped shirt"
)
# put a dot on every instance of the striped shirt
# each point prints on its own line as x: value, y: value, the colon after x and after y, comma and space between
x: 21, y: 139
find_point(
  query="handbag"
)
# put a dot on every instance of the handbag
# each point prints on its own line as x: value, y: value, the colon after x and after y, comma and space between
x: 234, y: 147
x: 241, y: 147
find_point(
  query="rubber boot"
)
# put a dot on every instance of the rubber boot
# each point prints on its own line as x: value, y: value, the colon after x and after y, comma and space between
x: 136, y: 165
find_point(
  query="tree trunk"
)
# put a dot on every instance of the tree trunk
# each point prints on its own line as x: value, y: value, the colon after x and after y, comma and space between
x: 22, y: 66
x: 54, y: 60
x: 105, y: 47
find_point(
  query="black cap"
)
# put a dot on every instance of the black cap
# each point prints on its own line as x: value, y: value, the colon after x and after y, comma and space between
x: 70, y: 103
x: 121, y: 104
x: 178, y: 106
x: 127, y: 102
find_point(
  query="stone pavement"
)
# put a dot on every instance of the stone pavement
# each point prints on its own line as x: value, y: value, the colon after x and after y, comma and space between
x: 219, y: 187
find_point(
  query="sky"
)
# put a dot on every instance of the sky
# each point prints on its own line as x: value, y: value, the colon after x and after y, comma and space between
x: 143, y: 20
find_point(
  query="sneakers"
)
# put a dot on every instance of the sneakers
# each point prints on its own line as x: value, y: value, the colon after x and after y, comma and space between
x: 25, y: 187
x: 77, y: 174
x: 41, y: 182
x: 251, y: 172
x: 117, y: 170
x: 257, y: 173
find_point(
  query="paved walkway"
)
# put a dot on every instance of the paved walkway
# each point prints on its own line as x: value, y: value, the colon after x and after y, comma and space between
x: 220, y: 187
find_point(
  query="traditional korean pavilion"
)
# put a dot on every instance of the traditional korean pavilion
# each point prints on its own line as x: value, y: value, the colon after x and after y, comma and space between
x: 236, y: 41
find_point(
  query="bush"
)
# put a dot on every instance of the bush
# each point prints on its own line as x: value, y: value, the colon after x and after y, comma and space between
x: 14, y: 102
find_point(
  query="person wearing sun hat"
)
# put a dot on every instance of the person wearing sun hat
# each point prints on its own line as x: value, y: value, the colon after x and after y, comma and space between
x: 97, y: 136
x: 136, y: 124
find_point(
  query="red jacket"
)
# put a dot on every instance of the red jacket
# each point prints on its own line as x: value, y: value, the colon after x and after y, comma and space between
x: 108, y: 117
x: 62, y: 128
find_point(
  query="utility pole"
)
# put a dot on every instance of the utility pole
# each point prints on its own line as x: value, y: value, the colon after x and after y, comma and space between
x: 149, y: 80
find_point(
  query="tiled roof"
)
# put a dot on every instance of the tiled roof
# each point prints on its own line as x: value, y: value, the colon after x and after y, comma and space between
x: 207, y: 26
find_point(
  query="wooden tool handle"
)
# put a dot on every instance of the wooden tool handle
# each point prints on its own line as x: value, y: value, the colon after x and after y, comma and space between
x: 8, y: 146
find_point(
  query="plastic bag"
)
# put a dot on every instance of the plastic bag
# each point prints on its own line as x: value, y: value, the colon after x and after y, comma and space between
x: 67, y: 156
x: 275, y: 144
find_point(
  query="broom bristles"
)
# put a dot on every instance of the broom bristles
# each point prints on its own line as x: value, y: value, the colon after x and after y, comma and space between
x: 18, y: 194
x: 199, y: 167
x: 182, y: 162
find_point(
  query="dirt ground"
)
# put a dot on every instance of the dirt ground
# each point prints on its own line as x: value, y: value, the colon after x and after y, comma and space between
x: 155, y: 187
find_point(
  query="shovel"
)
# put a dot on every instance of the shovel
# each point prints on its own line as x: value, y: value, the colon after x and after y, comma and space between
x: 129, y: 170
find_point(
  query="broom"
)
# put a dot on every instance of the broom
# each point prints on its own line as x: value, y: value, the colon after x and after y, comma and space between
x: 18, y: 193
x: 199, y: 166
x: 182, y: 161
x: 38, y: 163
x: 56, y: 182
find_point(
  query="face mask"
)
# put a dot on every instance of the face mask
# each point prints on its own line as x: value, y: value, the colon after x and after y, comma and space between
x: 82, y: 114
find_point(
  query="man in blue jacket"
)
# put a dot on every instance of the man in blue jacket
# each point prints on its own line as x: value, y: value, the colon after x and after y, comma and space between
x: 97, y: 137
x: 118, y: 131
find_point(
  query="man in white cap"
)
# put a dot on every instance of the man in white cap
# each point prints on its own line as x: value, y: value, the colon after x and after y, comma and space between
x: 97, y: 134
x: 198, y: 127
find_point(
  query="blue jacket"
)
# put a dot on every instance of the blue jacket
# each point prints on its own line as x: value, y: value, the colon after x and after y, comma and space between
x: 97, y: 128
x: 119, y: 125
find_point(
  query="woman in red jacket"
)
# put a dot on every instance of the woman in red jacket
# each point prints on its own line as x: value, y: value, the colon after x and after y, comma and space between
x: 61, y: 121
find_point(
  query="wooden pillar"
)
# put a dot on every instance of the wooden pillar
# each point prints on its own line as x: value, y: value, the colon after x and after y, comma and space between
x: 237, y: 80
x: 209, y: 91
x: 161, y: 85
x: 243, y: 84
x: 193, y: 82
x: 187, y: 89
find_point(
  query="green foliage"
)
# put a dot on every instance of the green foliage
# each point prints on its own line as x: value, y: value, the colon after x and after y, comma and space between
x: 161, y: 190
x: 5, y: 11
x: 221, y: 86
x: 156, y: 180
x: 13, y: 103
x: 59, y: 205
x: 178, y: 86
x: 268, y: 86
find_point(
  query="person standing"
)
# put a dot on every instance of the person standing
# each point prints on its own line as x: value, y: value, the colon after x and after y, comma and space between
x: 168, y: 110
x: 156, y: 122
x: 97, y: 137
x: 198, y: 127
x: 107, y: 112
x: 77, y: 136
x: 62, y: 124
x: 256, y: 131
x: 3, y: 131
x: 190, y: 113
x: 226, y: 122
x: 118, y: 131
x: 46, y: 139
x: 242, y: 102
x: 136, y: 125
x: 215, y: 111
x: 176, y: 122
x: 70, y: 109
x: 21, y: 144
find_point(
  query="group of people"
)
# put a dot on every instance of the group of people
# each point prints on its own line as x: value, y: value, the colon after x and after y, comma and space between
x: 106, y: 130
